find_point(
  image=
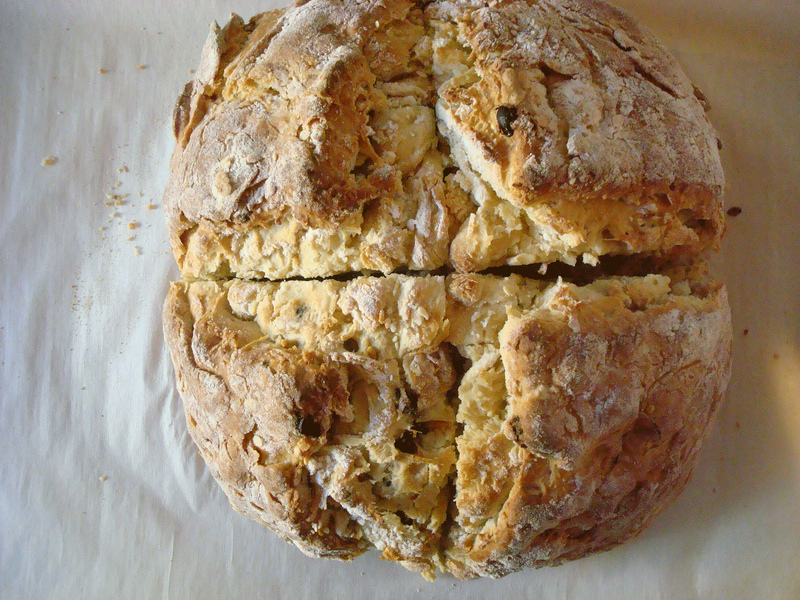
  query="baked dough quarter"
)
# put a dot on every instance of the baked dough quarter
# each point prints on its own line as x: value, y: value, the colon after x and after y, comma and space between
x: 444, y: 288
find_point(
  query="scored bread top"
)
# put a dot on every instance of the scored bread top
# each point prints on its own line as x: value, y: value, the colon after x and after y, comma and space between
x: 335, y: 137
x: 466, y: 421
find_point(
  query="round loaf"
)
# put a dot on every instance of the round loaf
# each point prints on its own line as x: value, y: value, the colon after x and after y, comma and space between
x: 443, y: 277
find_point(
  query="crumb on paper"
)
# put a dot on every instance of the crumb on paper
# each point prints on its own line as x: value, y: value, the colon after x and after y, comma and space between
x: 151, y: 207
x: 116, y: 199
x: 123, y: 169
x: 141, y: 67
x: 141, y: 194
x: 49, y: 161
x: 137, y: 251
x: 102, y: 478
x: 119, y: 183
x: 191, y: 71
x: 102, y: 71
x: 734, y: 211
x: 131, y: 238
x: 133, y: 225
x: 101, y: 228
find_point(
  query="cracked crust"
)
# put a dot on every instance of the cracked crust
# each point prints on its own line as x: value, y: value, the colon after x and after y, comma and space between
x: 604, y: 146
x: 466, y: 423
x: 475, y: 424
x: 335, y: 137
x: 611, y: 389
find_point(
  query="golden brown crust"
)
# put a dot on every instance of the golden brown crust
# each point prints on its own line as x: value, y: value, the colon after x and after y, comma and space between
x: 468, y: 423
x: 308, y: 142
x: 611, y: 392
x: 322, y: 412
x: 329, y: 410
x: 223, y: 425
x: 607, y: 149
x: 288, y: 160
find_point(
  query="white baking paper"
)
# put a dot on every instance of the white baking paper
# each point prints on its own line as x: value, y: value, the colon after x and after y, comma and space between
x: 102, y: 494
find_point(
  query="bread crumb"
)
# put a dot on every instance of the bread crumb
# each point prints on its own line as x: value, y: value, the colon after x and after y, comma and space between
x: 123, y: 168
x: 137, y: 251
x: 745, y: 332
x: 141, y: 194
x: 102, y: 477
x: 49, y: 161
x: 133, y: 225
x: 191, y: 71
x: 102, y: 71
x: 119, y: 183
x: 131, y: 238
x: 101, y: 228
x: 734, y: 211
x: 141, y: 67
x: 151, y: 207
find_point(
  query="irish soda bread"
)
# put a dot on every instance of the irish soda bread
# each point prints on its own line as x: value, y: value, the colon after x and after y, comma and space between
x: 443, y: 277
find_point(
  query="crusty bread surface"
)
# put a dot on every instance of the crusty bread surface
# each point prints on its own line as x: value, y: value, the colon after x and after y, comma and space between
x: 337, y: 137
x: 444, y: 277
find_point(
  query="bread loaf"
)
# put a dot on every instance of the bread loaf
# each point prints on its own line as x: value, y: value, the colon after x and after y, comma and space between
x: 444, y: 288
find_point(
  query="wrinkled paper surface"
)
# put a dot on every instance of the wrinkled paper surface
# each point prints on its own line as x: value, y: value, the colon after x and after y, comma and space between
x: 102, y: 494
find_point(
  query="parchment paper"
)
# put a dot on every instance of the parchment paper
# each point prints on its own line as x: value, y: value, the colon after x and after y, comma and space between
x: 102, y: 494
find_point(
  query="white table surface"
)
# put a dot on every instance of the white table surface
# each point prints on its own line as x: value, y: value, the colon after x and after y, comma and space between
x: 102, y: 494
